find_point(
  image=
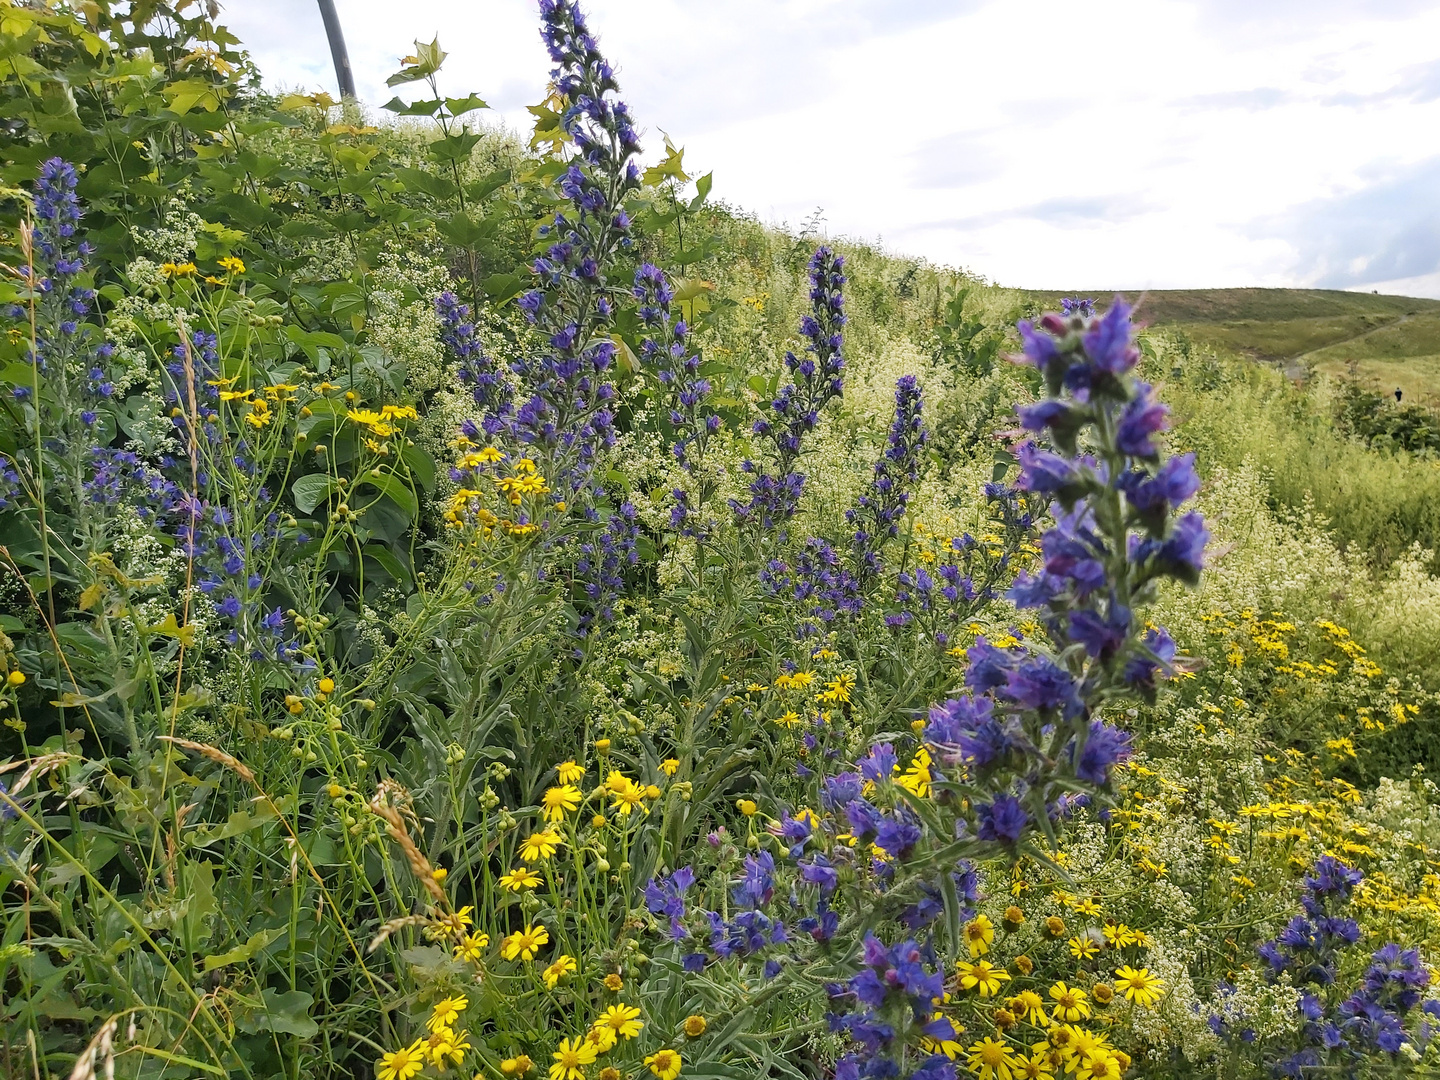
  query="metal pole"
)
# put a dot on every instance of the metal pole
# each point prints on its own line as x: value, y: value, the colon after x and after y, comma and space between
x: 343, y: 74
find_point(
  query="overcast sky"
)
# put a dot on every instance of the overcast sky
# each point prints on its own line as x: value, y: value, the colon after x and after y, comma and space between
x: 1112, y: 144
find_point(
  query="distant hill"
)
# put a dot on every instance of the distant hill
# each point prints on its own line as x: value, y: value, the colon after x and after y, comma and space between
x: 1388, y: 341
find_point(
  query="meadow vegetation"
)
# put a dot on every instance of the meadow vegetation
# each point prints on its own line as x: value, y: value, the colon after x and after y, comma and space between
x: 471, y: 605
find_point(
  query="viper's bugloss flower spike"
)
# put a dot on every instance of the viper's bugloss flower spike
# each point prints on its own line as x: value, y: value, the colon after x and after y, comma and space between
x: 816, y: 380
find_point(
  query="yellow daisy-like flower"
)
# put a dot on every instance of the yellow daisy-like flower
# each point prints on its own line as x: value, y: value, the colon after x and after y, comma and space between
x: 1028, y: 1005
x: 665, y: 1064
x: 1088, y: 906
x: 979, y: 935
x: 563, y: 965
x: 625, y: 794
x: 558, y: 801
x: 670, y: 766
x: 522, y: 877
x: 232, y: 264
x: 471, y: 947
x: 614, y: 983
x: 1139, y: 986
x: 537, y: 847
x: 789, y: 720
x: 446, y: 1011
x: 981, y: 976
x: 571, y: 1058
x: 992, y: 1060
x: 447, y: 1048
x: 1084, y: 948
x: 569, y: 773
x: 1070, y: 1003
x: 404, y: 1063
x: 602, y: 1038
x: 524, y: 943
x: 624, y: 1020
x: 1037, y: 1066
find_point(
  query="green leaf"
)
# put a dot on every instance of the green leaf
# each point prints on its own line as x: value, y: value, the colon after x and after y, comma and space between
x: 670, y: 167
x: 465, y: 231
x: 242, y: 952
x: 483, y: 189
x: 455, y: 147
x: 702, y: 191
x: 414, y: 108
x: 191, y: 93
x: 422, y: 65
x: 422, y: 465
x: 287, y: 1013
x: 310, y: 491
x: 457, y: 106
x: 501, y: 287
x: 393, y: 488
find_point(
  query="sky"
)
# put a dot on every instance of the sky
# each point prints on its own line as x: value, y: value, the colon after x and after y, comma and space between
x: 1115, y: 144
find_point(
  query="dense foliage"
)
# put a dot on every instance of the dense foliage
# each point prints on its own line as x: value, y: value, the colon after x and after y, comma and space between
x: 481, y: 610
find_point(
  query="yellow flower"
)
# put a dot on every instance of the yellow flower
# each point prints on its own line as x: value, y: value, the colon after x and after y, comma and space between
x: 16, y: 678
x: 562, y: 966
x: 327, y: 685
x: 746, y: 807
x: 524, y: 943
x: 614, y: 983
x: 1084, y: 948
x: 979, y: 935
x: 471, y: 946
x: 916, y: 779
x: 982, y: 976
x: 1139, y: 986
x: 232, y: 264
x: 602, y: 1038
x: 571, y: 1059
x: 624, y: 1020
x: 522, y: 877
x: 1036, y: 1067
x: 670, y: 766
x: 789, y: 720
x: 625, y: 794
x: 665, y: 1064
x: 558, y: 800
x: 516, y: 1066
x: 539, y: 846
x: 1029, y: 1005
x: 447, y: 1010
x: 569, y: 772
x: 1070, y: 1003
x: 446, y: 1046
x: 403, y: 1064
x: 992, y: 1060
x: 695, y: 1025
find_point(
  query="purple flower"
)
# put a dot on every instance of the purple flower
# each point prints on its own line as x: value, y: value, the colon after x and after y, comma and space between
x: 1003, y: 820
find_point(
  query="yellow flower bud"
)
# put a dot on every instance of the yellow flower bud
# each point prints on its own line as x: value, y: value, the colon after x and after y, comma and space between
x: 746, y: 807
x: 16, y: 678
x: 327, y: 686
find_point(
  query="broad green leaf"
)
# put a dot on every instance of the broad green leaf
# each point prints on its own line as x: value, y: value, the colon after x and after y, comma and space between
x: 470, y: 103
x: 393, y: 487
x: 413, y: 108
x: 287, y: 1013
x: 310, y: 491
x: 422, y: 65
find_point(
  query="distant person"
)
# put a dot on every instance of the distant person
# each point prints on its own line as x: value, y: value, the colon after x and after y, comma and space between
x: 1398, y: 393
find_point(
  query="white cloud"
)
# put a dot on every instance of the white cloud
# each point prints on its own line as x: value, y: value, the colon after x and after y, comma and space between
x: 1121, y: 143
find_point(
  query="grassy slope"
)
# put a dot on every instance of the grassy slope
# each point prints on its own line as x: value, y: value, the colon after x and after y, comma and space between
x: 1391, y: 340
